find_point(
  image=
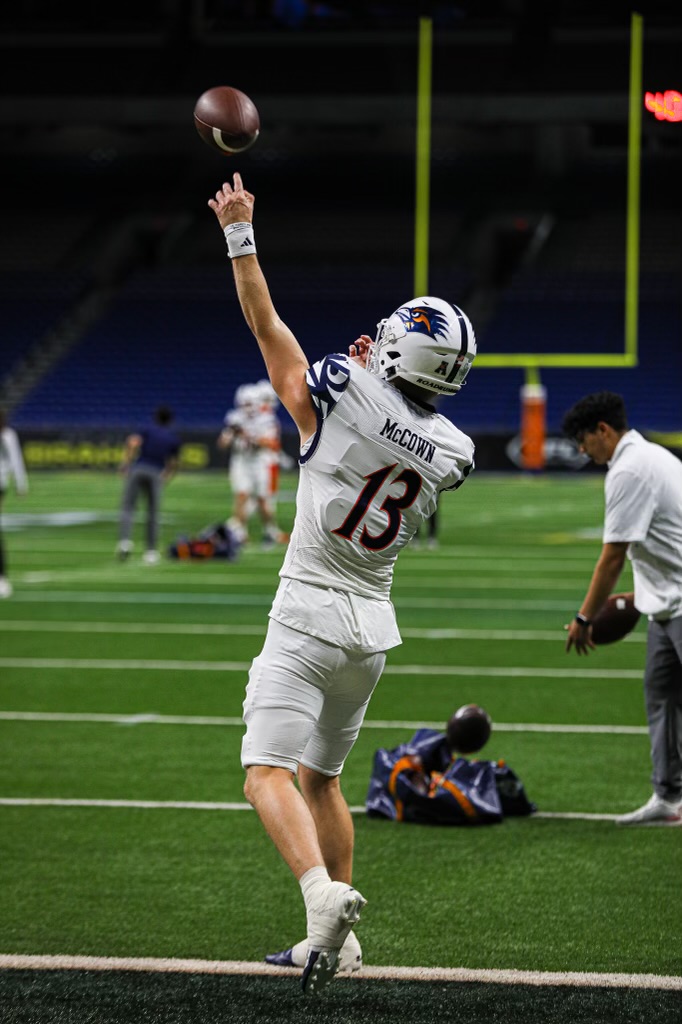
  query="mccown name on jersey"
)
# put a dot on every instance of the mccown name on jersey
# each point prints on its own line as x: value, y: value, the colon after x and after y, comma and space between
x: 408, y: 439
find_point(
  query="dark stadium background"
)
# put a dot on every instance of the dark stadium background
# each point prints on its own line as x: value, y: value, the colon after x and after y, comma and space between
x: 115, y: 289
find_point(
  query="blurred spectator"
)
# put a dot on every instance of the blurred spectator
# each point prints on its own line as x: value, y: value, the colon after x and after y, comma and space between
x: 150, y: 460
x: 11, y: 466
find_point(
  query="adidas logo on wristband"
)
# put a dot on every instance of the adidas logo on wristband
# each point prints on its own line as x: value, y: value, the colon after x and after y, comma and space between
x: 239, y: 238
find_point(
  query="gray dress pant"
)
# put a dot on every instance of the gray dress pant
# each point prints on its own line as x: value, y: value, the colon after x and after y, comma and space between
x: 146, y: 480
x: 663, y: 696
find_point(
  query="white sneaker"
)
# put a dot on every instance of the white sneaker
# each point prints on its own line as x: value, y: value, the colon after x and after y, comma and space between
x: 239, y: 530
x: 331, y: 916
x: 655, y: 811
x: 350, y: 958
x: 151, y: 557
x: 123, y: 549
x: 5, y: 587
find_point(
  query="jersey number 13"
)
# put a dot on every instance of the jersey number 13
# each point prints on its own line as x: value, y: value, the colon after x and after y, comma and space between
x: 392, y: 507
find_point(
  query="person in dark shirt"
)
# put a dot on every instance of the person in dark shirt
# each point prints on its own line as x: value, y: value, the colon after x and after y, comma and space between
x: 150, y: 460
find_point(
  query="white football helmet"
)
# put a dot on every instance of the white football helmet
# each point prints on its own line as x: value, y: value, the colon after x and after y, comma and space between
x: 267, y: 394
x: 247, y: 394
x: 427, y: 342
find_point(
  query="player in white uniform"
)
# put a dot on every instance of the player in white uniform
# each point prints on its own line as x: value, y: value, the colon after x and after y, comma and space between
x: 11, y: 466
x: 274, y: 457
x: 252, y: 433
x: 374, y: 457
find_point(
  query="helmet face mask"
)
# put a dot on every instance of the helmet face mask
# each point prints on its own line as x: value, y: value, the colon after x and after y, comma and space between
x: 246, y: 395
x: 267, y: 394
x: 427, y: 342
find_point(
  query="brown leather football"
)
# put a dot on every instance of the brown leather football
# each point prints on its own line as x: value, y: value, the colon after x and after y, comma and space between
x: 226, y: 119
x: 616, y: 619
x: 469, y: 729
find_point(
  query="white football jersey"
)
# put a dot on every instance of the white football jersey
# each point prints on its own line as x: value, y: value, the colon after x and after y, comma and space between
x: 252, y: 425
x: 369, y: 476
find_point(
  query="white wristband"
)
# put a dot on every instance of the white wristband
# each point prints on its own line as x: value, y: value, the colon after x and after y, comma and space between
x: 239, y: 238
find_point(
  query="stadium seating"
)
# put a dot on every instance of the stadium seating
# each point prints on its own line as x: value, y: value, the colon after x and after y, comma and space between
x: 177, y: 336
x: 31, y: 302
x: 174, y: 332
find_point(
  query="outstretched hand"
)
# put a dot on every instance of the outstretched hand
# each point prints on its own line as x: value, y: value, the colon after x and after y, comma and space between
x: 580, y: 637
x: 359, y: 350
x: 232, y: 203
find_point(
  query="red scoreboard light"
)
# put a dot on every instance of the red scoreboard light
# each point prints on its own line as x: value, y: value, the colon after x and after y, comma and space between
x: 665, y: 106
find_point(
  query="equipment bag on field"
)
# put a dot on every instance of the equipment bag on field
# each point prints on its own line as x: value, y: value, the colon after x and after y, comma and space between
x: 217, y: 541
x: 420, y: 782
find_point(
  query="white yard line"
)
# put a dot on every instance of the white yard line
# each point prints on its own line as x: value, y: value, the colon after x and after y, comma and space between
x: 189, y: 628
x: 265, y: 599
x: 442, y: 581
x: 204, y: 720
x: 65, y: 962
x: 206, y: 805
x: 172, y: 665
x: 450, y: 553
x: 198, y: 629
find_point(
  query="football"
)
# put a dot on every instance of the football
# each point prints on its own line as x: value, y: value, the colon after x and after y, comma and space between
x: 226, y: 119
x: 469, y: 729
x: 616, y: 619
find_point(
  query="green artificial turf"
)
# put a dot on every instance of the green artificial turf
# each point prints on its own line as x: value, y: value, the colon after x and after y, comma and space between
x: 559, y: 894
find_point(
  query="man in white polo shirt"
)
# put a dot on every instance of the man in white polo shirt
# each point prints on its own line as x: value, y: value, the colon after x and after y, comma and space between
x: 643, y: 519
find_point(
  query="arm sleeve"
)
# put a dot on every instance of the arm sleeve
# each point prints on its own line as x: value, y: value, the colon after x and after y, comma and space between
x: 630, y: 508
x: 464, y: 463
x: 327, y: 380
x: 458, y: 476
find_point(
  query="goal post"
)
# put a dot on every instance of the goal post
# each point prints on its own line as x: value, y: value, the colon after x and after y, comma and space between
x: 533, y: 393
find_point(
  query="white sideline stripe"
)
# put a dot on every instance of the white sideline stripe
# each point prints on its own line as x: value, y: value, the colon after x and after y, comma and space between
x: 149, y: 718
x: 259, y: 600
x: 22, y: 962
x: 197, y: 629
x: 19, y: 961
x: 205, y: 805
x: 154, y: 665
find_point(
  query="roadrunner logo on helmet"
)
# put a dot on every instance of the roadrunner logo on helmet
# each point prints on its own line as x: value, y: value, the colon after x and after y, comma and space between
x: 427, y: 342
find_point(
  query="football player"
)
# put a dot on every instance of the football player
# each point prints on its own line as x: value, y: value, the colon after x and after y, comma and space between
x: 374, y: 457
x: 252, y: 433
x: 11, y: 467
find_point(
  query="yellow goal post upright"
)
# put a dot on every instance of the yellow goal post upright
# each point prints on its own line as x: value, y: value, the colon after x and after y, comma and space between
x: 533, y: 394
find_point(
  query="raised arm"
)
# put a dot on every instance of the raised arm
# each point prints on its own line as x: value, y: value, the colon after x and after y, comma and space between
x: 285, y: 360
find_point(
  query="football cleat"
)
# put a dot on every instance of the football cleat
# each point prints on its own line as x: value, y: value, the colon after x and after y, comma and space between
x: 123, y: 549
x: 331, y: 916
x: 350, y: 959
x: 283, y: 959
x: 320, y: 968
